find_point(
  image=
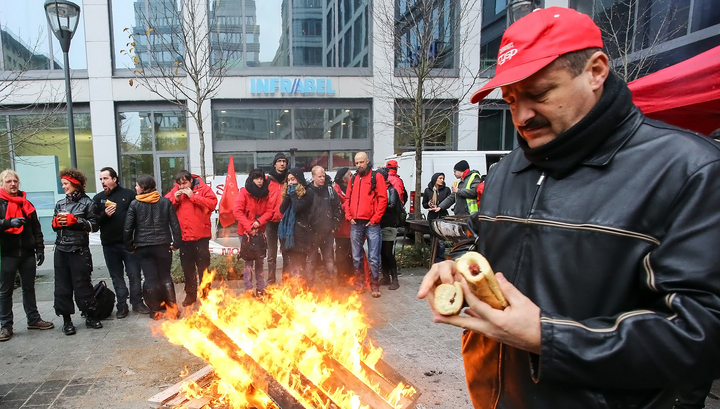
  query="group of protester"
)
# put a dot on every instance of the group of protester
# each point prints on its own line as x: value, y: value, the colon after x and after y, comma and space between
x: 139, y: 230
x: 321, y: 222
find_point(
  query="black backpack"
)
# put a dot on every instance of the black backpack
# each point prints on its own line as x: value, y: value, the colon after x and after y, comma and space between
x: 373, y: 180
x: 105, y: 300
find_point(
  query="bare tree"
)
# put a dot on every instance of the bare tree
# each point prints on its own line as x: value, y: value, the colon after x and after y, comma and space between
x: 634, y: 32
x: 18, y: 84
x: 177, y: 57
x: 428, y: 42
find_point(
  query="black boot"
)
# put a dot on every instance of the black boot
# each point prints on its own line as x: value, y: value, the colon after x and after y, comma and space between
x: 92, y: 321
x: 385, y: 280
x: 394, y: 284
x: 171, y: 300
x: 68, y: 328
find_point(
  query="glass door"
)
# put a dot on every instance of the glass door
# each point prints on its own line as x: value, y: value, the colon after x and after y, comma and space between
x: 167, y: 166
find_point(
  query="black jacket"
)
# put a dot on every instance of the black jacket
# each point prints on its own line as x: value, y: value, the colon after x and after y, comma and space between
x: 303, y: 209
x: 151, y: 224
x: 111, y: 227
x: 29, y: 241
x: 621, y: 257
x: 76, y: 235
x: 326, y: 211
x: 442, y: 194
x: 390, y: 217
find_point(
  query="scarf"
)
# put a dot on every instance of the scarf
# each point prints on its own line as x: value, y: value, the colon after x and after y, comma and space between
x: 286, y: 228
x: 561, y: 155
x: 151, y: 197
x: 257, y: 191
x: 17, y: 206
x: 278, y: 177
x: 75, y: 196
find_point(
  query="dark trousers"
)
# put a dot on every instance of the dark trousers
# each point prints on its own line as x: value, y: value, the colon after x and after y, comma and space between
x: 296, y: 261
x: 324, y: 243
x: 194, y: 259
x: 73, y: 272
x: 387, y: 257
x: 693, y: 396
x: 271, y: 235
x: 116, y: 255
x: 155, y: 262
x: 344, y: 260
x: 9, y: 267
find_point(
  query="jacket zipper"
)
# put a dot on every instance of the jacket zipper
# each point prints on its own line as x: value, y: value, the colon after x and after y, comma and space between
x: 539, y: 185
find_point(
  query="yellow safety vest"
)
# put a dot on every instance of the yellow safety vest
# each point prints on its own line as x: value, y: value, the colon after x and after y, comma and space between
x: 472, y: 204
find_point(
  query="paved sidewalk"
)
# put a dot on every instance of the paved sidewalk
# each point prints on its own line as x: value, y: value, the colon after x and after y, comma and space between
x: 124, y: 364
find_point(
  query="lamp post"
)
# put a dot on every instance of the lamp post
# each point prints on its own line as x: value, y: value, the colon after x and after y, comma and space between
x: 517, y: 9
x: 63, y: 17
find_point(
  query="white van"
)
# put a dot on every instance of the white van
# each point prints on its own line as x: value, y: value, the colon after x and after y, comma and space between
x: 439, y: 161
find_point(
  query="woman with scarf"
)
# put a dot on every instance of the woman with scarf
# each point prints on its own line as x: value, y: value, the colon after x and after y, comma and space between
x: 152, y: 231
x: 294, y: 229
x: 343, y: 249
x: 21, y: 244
x: 74, y: 218
x: 254, y: 207
x: 433, y: 195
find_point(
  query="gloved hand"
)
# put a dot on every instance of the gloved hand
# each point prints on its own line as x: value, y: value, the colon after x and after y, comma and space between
x: 40, y: 258
x: 70, y: 219
x: 17, y: 222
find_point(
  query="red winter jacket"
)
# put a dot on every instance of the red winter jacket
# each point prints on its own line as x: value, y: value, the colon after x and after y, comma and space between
x: 344, y: 230
x: 364, y: 203
x: 398, y: 184
x: 275, y: 188
x: 194, y: 212
x: 249, y: 208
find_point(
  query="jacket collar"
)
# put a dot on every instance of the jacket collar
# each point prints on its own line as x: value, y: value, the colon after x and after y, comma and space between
x: 605, y: 153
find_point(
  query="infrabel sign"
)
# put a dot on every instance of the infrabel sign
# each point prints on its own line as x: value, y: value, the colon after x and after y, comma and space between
x: 292, y: 86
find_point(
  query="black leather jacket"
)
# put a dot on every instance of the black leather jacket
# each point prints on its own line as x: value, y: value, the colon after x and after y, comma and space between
x: 28, y: 242
x: 621, y: 257
x: 151, y: 224
x: 390, y: 217
x: 76, y: 235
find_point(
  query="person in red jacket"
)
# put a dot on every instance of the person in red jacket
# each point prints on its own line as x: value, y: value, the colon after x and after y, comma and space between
x: 364, y: 206
x: 254, y: 207
x: 395, y: 181
x: 194, y: 201
x: 343, y: 249
x: 276, y: 176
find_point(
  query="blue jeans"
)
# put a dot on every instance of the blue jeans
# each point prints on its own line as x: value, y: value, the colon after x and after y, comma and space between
x: 358, y: 234
x: 116, y: 255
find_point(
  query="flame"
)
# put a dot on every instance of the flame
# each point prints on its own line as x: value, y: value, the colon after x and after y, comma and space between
x: 303, y: 340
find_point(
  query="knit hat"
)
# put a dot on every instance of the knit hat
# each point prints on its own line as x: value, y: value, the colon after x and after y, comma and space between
x: 299, y: 175
x: 392, y: 164
x: 462, y: 166
x: 279, y: 156
x: 340, y: 175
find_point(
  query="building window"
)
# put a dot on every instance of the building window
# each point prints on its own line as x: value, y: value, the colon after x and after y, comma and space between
x: 28, y: 43
x: 425, y: 33
x: 245, y: 162
x: 156, y: 30
x: 439, y: 127
x: 306, y: 36
x: 154, y: 143
x: 495, y: 130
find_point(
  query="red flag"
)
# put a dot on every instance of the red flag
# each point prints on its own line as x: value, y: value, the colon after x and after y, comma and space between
x: 227, y: 201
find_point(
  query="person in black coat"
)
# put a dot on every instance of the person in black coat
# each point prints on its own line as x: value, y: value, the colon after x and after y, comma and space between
x: 113, y: 204
x: 389, y: 224
x: 21, y: 246
x: 325, y: 217
x: 74, y: 218
x: 152, y: 232
x: 294, y: 229
x: 433, y: 195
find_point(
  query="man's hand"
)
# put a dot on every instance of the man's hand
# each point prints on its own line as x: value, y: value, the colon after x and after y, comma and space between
x: 178, y: 193
x: 188, y: 192
x: 40, y: 258
x: 352, y: 221
x: 454, y: 189
x: 518, y: 325
x: 255, y: 225
x: 110, y: 210
x: 17, y: 222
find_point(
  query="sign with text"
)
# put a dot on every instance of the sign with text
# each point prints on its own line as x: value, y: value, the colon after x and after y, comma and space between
x: 292, y: 86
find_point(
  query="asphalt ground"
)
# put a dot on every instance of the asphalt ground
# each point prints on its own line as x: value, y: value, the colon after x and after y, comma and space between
x: 128, y: 361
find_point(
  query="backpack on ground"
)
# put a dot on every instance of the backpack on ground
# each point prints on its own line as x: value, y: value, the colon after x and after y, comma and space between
x: 105, y: 300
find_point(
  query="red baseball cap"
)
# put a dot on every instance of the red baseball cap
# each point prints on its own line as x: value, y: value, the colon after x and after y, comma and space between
x: 536, y: 40
x: 391, y: 164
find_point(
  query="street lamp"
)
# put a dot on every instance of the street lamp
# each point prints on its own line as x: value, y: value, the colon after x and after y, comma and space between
x: 63, y: 17
x: 517, y: 9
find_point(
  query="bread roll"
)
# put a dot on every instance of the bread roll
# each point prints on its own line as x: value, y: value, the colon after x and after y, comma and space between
x: 449, y: 298
x: 109, y: 203
x: 481, y: 279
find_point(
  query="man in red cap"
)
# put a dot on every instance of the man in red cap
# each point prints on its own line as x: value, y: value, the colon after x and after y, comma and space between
x: 395, y: 180
x: 604, y: 226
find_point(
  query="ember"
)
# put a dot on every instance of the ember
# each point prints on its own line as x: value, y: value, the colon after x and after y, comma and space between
x: 294, y: 349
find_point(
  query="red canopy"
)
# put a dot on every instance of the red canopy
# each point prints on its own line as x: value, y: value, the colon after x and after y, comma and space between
x: 686, y: 94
